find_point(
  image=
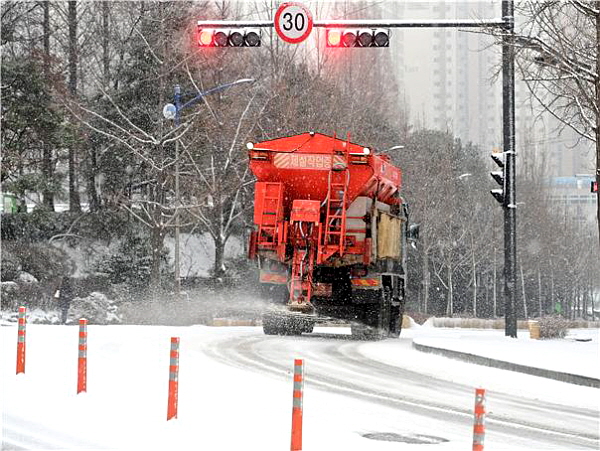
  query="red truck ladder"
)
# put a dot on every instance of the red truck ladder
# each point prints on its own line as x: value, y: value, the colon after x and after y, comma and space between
x: 270, y: 214
x: 334, y: 238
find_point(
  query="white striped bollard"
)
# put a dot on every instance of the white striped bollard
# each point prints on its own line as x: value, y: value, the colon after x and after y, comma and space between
x: 21, y: 340
x: 297, y: 406
x: 479, y: 420
x: 173, y: 379
x: 82, y: 357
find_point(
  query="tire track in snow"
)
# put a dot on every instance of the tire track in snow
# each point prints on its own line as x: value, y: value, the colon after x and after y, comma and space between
x: 19, y: 433
x: 523, y: 406
x: 377, y: 382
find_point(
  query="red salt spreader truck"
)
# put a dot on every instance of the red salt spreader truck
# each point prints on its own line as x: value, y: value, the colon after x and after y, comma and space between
x: 330, y: 235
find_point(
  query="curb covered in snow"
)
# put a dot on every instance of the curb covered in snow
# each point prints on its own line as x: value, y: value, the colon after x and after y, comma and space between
x: 226, y: 322
x: 480, y: 360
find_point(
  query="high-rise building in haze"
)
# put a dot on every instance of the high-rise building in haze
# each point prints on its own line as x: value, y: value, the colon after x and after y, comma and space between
x: 450, y: 79
x: 447, y: 74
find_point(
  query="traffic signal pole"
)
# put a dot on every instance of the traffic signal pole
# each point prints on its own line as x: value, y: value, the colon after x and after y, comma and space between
x: 509, y: 204
x: 510, y: 199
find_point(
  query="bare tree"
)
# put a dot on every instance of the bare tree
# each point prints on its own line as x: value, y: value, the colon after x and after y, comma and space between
x: 219, y: 176
x: 455, y: 248
x: 129, y: 120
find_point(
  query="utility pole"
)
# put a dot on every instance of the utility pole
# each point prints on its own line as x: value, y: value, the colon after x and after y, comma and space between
x: 510, y: 201
x: 177, y: 196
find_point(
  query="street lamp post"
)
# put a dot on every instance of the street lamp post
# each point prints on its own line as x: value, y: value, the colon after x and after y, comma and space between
x: 173, y: 111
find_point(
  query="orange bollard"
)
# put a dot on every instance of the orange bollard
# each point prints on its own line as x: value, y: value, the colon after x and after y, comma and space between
x: 173, y: 379
x: 21, y: 340
x: 479, y: 420
x: 82, y: 357
x: 297, y: 405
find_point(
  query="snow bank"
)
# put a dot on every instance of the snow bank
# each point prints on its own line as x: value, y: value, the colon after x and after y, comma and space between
x: 564, y: 355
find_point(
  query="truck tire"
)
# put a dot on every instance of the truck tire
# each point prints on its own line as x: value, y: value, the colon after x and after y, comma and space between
x: 309, y: 326
x: 363, y: 332
x: 374, y: 318
x: 386, y: 310
x: 395, y: 322
x: 270, y: 324
x: 276, y: 323
x: 397, y: 312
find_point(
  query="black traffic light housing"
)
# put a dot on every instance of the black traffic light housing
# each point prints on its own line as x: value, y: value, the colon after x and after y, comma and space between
x: 357, y: 37
x: 500, y: 178
x: 229, y: 37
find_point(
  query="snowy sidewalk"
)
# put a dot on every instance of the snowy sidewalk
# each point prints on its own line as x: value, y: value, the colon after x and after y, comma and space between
x: 565, y: 359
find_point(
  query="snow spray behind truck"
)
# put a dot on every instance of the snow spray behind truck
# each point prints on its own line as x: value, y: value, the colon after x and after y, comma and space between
x: 330, y: 235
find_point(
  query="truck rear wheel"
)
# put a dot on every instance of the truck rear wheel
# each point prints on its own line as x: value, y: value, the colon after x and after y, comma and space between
x: 397, y: 310
x: 364, y: 332
x: 280, y: 323
x: 271, y: 325
x: 395, y: 322
x: 308, y: 326
x: 374, y: 316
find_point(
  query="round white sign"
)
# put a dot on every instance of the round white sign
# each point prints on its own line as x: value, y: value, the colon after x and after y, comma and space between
x: 293, y: 22
x: 169, y: 111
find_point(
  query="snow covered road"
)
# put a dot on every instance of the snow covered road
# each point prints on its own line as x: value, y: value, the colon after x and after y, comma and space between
x: 235, y: 391
x: 340, y: 365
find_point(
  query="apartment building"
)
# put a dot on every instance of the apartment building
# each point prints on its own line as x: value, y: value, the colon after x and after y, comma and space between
x: 447, y: 75
x: 450, y: 79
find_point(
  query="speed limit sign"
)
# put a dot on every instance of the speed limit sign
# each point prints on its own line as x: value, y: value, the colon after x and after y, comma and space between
x: 293, y: 22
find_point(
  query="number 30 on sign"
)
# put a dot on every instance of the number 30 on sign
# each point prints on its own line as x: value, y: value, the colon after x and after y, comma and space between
x: 293, y: 22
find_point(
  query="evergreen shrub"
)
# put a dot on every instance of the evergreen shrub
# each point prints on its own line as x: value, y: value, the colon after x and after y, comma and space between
x: 553, y: 327
x: 128, y: 268
x: 96, y: 308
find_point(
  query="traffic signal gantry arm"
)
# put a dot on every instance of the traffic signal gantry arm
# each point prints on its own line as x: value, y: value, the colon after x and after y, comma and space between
x: 340, y: 33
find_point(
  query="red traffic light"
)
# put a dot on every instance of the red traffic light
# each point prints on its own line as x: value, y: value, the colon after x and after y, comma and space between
x: 352, y: 37
x: 205, y: 37
x: 334, y: 37
x: 594, y: 187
